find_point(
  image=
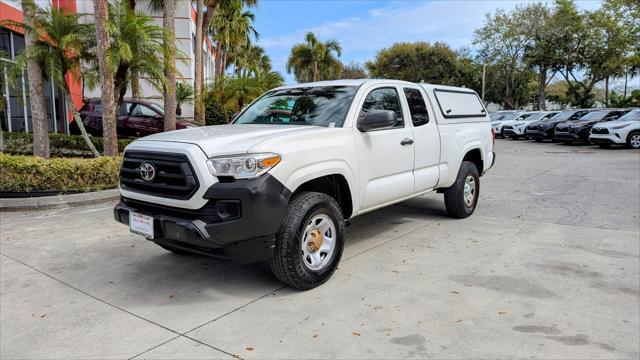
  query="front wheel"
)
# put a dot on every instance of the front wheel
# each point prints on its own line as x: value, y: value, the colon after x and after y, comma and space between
x: 309, y: 242
x: 633, y: 140
x: 462, y: 197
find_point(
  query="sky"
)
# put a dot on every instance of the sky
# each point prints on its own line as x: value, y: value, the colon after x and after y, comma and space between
x: 365, y: 26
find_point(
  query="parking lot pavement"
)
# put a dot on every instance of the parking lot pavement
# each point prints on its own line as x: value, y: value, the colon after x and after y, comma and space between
x: 548, y: 267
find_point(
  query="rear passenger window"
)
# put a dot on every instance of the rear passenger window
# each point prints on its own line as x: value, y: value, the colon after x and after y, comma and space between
x: 417, y: 107
x: 383, y: 99
x: 459, y: 104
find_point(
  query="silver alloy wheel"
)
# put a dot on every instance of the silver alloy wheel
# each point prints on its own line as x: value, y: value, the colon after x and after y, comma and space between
x: 318, y: 242
x: 469, y: 190
x: 635, y: 141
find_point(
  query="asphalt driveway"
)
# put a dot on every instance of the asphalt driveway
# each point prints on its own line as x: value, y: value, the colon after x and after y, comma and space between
x: 547, y: 267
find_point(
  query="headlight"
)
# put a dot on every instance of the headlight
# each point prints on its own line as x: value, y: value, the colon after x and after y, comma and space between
x: 621, y: 126
x: 243, y: 166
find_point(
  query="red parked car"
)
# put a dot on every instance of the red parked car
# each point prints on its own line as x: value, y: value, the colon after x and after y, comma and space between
x: 136, y: 118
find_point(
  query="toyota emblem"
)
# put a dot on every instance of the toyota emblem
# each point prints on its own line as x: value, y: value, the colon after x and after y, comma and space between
x: 147, y: 171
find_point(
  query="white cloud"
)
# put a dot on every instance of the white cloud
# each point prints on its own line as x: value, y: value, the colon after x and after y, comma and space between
x: 452, y: 22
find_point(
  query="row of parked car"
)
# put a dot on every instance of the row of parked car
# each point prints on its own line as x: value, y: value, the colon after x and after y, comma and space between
x: 602, y: 127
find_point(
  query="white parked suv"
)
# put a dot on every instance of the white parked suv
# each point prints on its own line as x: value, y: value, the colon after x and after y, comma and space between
x: 499, y: 121
x: 515, y: 129
x: 279, y: 182
x: 625, y: 130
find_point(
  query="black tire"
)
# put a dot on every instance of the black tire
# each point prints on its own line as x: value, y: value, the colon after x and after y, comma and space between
x: 287, y: 263
x: 454, y: 196
x: 604, y: 146
x: 632, y: 134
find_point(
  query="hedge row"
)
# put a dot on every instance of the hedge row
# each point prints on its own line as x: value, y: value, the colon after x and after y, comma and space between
x: 28, y: 173
x: 21, y: 143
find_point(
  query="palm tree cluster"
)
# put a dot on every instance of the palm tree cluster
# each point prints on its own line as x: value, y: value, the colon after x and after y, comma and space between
x: 124, y: 46
x: 315, y: 60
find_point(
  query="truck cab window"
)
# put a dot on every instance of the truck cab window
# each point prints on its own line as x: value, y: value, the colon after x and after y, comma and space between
x: 383, y: 99
x: 417, y: 107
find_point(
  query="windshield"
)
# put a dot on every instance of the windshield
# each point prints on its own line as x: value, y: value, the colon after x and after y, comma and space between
x: 630, y: 116
x: 536, y: 116
x: 319, y: 106
x: 562, y: 116
x: 596, y: 115
x: 508, y: 116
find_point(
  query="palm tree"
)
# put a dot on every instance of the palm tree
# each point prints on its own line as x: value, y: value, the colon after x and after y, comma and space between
x: 233, y: 29
x: 184, y: 93
x: 314, y: 60
x: 199, y: 64
x: 36, y: 95
x: 103, y: 42
x: 60, y: 49
x: 135, y: 44
x: 250, y: 59
x: 168, y: 8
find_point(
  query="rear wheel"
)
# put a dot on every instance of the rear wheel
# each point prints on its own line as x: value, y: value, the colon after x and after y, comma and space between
x: 633, y: 140
x: 462, y: 197
x: 310, y: 241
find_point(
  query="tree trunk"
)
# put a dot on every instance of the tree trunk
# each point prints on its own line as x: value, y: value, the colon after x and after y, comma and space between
x: 606, y: 91
x: 120, y: 84
x: 170, y: 108
x: 136, y: 92
x: 198, y: 88
x: 36, y: 95
x: 78, y: 120
x: 109, y: 120
x: 542, y: 84
x: 626, y: 75
x: 315, y: 71
x: 218, y: 60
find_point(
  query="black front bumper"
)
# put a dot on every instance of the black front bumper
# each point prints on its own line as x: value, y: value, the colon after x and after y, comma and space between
x: 238, y: 222
x: 537, y: 134
x: 569, y: 137
x: 601, y: 141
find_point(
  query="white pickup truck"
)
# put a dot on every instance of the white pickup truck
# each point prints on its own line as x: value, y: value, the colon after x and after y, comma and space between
x: 279, y: 182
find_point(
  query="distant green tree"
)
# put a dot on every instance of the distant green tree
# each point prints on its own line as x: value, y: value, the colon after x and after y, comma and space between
x: 415, y: 62
x: 353, y: 70
x: 503, y: 39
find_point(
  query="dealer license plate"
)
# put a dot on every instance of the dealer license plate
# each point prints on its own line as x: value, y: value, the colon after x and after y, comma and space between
x: 141, y: 224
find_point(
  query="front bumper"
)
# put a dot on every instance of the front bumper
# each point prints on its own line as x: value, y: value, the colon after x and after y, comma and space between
x: 606, y: 139
x: 238, y: 222
x: 568, y: 137
x: 536, y: 134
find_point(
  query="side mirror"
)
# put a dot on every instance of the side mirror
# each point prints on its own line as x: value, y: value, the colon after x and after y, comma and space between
x: 377, y: 120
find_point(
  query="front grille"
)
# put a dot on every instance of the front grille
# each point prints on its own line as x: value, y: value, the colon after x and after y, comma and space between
x: 174, y: 178
x: 508, y: 127
x: 600, y: 131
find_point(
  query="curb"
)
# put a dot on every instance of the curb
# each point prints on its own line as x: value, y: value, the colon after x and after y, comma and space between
x: 58, y: 201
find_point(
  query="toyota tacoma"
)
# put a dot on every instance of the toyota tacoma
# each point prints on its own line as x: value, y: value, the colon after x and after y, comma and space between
x: 279, y: 182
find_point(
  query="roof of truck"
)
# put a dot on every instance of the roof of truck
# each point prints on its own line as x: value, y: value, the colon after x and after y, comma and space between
x: 359, y: 82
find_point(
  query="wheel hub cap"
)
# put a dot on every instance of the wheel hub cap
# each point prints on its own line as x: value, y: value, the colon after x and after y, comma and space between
x: 469, y: 190
x: 318, y: 242
x: 315, y: 241
x: 635, y: 141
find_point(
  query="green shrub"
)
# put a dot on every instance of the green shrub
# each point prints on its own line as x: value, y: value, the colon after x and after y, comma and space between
x: 216, y: 113
x: 27, y: 173
x: 21, y: 143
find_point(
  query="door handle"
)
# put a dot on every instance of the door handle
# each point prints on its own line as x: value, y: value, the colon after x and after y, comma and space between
x: 406, y: 142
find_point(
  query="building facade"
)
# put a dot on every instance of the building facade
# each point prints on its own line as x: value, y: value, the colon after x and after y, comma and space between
x: 17, y: 114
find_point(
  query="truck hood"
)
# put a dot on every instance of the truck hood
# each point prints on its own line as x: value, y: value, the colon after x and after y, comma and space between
x: 228, y: 139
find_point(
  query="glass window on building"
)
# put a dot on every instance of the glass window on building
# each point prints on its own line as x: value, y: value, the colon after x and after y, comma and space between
x: 17, y: 113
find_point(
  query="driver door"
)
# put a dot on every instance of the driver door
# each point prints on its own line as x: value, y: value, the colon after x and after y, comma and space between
x: 386, y: 155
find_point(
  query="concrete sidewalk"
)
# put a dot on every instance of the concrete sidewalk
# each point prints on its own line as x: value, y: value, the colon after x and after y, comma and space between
x: 548, y: 267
